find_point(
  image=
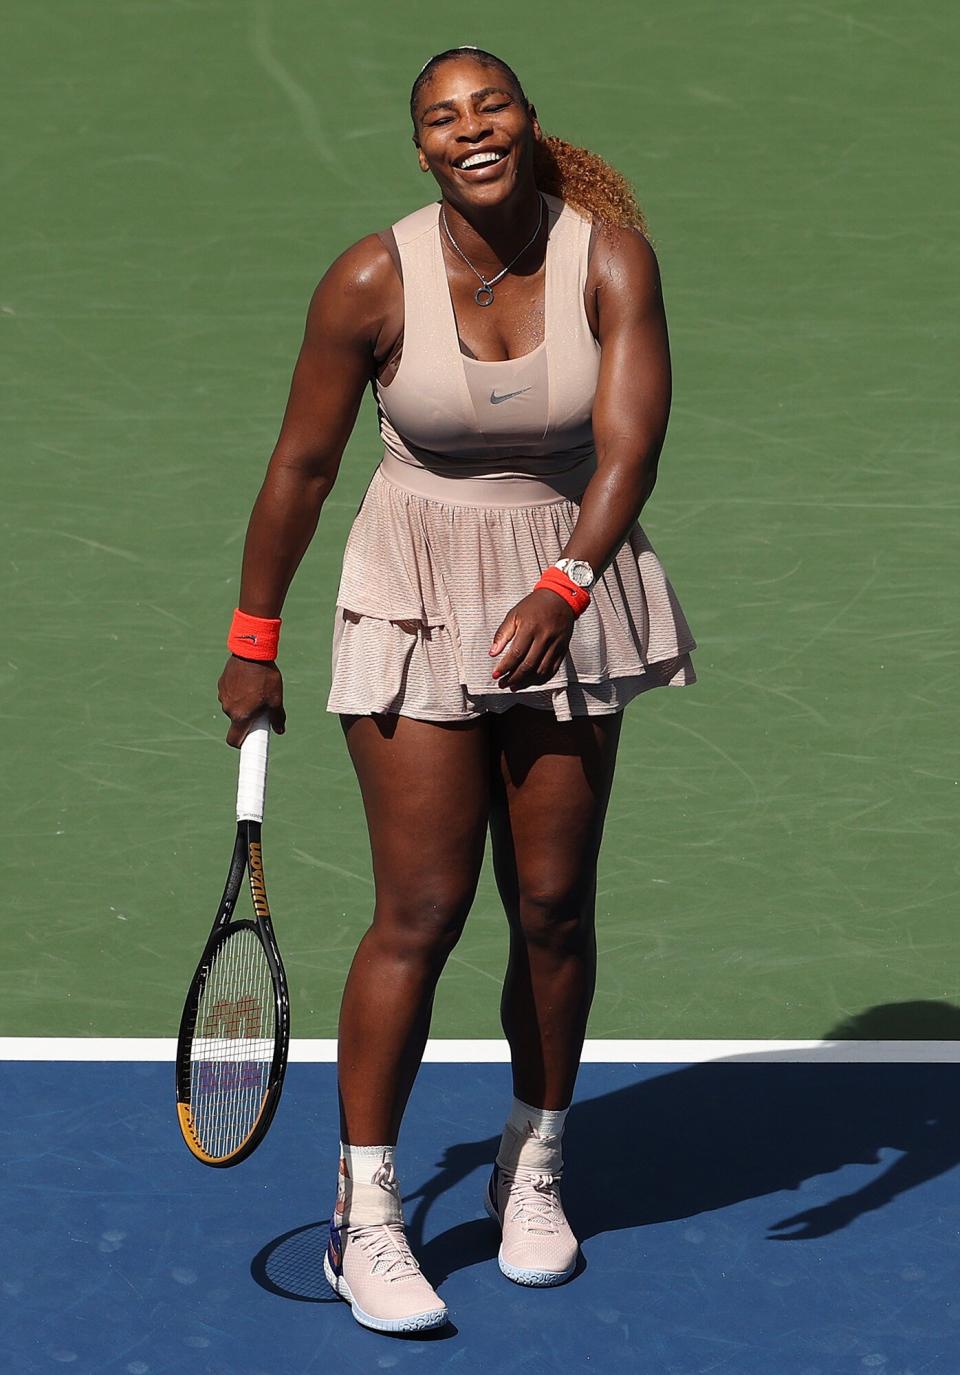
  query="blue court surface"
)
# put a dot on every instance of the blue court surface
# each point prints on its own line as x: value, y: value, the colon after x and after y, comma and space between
x: 121, y: 1253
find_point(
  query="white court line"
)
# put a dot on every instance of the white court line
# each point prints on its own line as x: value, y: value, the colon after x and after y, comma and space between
x: 495, y: 1052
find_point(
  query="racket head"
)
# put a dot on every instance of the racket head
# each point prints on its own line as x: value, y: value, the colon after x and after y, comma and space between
x: 235, y: 1028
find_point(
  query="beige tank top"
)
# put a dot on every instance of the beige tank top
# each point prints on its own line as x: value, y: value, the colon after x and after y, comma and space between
x: 530, y: 414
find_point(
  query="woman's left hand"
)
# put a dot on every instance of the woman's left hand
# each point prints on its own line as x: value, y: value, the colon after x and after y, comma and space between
x: 538, y: 631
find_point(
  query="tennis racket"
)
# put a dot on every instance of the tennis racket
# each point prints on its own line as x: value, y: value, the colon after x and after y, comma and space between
x: 235, y: 1028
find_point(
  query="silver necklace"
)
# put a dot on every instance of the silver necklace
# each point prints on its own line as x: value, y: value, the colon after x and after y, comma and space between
x: 484, y: 292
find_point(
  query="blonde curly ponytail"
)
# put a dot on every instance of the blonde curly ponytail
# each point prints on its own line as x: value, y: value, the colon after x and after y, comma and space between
x: 587, y: 182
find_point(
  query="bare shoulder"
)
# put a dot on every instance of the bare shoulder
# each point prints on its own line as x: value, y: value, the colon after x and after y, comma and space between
x: 357, y: 291
x: 363, y: 269
x: 624, y: 260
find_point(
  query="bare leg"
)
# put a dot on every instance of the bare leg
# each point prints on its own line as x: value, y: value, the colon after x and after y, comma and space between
x: 425, y: 791
x: 549, y: 800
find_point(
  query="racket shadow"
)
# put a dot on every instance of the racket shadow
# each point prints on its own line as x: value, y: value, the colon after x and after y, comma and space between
x: 291, y: 1265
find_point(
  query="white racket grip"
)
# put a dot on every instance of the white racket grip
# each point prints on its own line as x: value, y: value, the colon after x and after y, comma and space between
x: 252, y: 782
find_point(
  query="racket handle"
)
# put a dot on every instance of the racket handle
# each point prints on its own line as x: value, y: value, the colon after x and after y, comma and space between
x: 252, y: 783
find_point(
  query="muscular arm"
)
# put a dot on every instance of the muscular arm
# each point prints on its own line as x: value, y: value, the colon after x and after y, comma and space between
x: 632, y: 403
x: 336, y: 361
x: 348, y: 324
x: 629, y: 423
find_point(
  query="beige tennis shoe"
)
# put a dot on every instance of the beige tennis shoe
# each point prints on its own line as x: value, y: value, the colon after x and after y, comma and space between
x: 538, y: 1247
x: 368, y: 1262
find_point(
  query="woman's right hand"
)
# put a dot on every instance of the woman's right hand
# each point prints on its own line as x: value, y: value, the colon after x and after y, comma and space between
x: 247, y: 688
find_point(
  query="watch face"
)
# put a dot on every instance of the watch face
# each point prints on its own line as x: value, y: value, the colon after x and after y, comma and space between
x: 580, y: 572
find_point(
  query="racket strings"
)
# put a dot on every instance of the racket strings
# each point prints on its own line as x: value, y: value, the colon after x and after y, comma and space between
x: 233, y: 1044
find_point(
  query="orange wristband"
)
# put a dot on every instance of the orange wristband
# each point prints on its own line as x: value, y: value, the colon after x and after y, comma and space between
x: 254, y: 637
x: 555, y: 580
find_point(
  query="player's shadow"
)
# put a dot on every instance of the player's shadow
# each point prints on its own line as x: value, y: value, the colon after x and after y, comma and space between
x: 707, y: 1136
x: 703, y: 1137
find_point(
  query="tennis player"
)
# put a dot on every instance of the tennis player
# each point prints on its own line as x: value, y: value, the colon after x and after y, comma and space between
x: 499, y: 606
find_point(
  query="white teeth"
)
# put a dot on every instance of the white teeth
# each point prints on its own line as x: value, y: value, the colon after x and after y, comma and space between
x: 481, y: 160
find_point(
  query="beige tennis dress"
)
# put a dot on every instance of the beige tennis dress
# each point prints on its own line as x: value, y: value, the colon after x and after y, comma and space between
x: 483, y: 468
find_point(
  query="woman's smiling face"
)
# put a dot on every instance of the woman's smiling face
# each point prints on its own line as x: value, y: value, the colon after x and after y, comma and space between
x: 474, y: 132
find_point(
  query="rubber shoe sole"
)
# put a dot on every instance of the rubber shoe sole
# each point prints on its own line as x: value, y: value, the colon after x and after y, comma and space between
x: 414, y: 1322
x: 534, y: 1279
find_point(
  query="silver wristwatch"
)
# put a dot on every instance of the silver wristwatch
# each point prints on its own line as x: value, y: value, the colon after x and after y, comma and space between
x: 578, y: 571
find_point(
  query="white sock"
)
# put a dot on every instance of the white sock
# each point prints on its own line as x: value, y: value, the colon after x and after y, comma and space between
x: 367, y: 1190
x: 544, y: 1121
x: 363, y: 1161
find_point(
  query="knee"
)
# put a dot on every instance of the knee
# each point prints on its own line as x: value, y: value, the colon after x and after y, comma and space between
x: 557, y: 915
x: 421, y: 927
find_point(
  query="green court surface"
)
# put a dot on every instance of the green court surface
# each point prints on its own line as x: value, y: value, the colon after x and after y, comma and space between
x: 779, y: 855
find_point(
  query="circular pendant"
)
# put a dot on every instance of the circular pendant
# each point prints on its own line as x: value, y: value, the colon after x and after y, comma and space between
x: 484, y: 295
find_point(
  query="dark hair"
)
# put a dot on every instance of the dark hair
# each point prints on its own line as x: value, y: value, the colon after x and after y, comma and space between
x: 583, y: 179
x: 478, y: 55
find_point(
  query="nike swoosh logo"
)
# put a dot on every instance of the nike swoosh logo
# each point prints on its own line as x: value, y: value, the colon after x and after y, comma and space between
x: 251, y: 638
x: 507, y: 396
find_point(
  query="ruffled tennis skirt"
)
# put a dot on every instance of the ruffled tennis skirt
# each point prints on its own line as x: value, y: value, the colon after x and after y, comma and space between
x: 431, y: 567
